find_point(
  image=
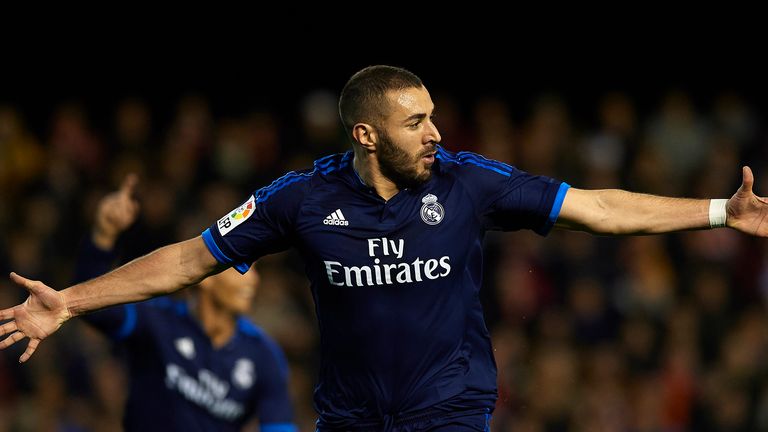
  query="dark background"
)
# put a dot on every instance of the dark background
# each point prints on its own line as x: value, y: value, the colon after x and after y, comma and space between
x: 250, y: 68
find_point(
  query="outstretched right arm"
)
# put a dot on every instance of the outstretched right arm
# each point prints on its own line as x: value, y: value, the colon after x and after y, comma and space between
x: 161, y: 272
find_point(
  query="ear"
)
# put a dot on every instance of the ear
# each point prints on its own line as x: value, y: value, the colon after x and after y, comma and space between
x: 365, y: 135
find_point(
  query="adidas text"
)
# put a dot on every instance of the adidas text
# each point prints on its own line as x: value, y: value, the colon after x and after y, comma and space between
x: 336, y: 218
x: 335, y: 222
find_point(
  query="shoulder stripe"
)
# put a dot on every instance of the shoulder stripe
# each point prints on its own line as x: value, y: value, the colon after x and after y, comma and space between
x: 483, y: 159
x: 331, y: 169
x: 466, y: 158
x: 264, y: 193
x: 325, y: 160
x: 321, y: 166
x: 289, y: 178
x: 328, y: 160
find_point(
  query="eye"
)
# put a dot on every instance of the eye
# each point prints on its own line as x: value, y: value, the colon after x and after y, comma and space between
x: 414, y: 125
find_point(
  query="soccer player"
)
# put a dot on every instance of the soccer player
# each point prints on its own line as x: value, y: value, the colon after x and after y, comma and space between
x: 196, y: 364
x: 391, y: 234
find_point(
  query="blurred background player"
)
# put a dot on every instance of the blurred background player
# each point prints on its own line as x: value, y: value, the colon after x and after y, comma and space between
x: 196, y: 364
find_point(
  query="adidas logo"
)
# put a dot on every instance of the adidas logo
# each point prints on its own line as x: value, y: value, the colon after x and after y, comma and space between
x: 336, y: 218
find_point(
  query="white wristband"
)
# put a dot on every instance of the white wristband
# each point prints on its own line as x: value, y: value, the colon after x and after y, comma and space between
x: 717, y: 213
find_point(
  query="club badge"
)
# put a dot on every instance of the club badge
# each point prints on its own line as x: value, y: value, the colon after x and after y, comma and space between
x: 432, y: 212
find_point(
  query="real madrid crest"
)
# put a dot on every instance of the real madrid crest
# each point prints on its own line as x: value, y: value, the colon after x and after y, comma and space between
x: 244, y: 373
x: 432, y: 212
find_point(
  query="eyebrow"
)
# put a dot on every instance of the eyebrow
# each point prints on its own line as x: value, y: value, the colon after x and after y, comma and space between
x: 412, y: 117
x: 418, y: 116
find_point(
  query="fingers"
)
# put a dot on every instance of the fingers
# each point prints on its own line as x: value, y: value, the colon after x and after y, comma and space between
x: 12, y: 339
x: 127, y: 203
x: 133, y: 209
x: 6, y: 314
x: 34, y: 287
x: 20, y: 280
x: 128, y: 187
x: 15, y: 337
x: 8, y: 328
x: 31, y: 347
x: 747, y: 180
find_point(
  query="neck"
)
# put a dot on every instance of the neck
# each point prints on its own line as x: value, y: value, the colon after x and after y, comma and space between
x: 367, y: 167
x: 217, y: 323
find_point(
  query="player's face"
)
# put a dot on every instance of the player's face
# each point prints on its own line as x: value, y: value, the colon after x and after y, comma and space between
x: 232, y: 291
x: 407, y: 140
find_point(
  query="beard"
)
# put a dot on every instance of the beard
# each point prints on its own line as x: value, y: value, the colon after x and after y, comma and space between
x: 399, y: 166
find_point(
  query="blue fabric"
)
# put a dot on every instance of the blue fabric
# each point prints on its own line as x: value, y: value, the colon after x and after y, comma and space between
x: 221, y: 256
x: 395, y: 282
x: 278, y: 427
x: 129, y: 323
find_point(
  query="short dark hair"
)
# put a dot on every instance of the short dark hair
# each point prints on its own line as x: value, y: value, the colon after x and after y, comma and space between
x: 363, y: 98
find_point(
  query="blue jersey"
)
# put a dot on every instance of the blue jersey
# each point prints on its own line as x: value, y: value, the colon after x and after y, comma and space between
x: 178, y: 380
x: 396, y: 282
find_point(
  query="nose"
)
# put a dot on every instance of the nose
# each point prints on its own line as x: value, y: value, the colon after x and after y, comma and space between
x: 432, y: 134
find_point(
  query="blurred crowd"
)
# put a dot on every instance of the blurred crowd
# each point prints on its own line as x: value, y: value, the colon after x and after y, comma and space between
x: 658, y: 333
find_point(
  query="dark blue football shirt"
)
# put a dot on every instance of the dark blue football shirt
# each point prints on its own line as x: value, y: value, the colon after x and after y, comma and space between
x: 395, y: 283
x: 178, y: 380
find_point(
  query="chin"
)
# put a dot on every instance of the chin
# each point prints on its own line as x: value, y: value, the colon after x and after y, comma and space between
x: 424, y: 176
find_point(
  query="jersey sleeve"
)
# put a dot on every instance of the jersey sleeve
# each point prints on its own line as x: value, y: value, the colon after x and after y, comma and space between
x: 262, y: 225
x: 507, y: 198
x: 274, y: 408
x: 526, y: 202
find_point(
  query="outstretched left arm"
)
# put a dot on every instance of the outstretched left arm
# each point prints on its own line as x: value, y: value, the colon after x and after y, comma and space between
x: 618, y: 212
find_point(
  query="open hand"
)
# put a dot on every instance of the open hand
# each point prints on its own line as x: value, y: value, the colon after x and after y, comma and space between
x: 748, y: 212
x: 41, y: 314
